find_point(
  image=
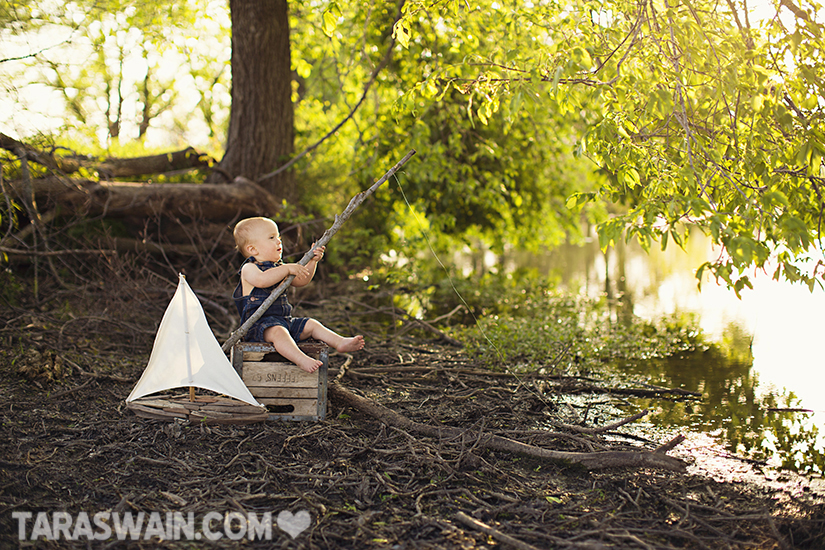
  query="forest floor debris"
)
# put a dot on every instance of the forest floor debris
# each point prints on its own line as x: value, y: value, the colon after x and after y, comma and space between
x: 352, y: 481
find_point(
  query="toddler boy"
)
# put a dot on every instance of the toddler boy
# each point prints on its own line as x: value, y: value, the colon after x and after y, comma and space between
x: 259, y: 241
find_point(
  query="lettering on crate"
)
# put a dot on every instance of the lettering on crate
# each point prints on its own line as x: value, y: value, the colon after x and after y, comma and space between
x: 282, y: 377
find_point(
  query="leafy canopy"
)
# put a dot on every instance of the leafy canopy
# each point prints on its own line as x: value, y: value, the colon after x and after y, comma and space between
x: 691, y: 112
x: 697, y: 116
x: 503, y: 179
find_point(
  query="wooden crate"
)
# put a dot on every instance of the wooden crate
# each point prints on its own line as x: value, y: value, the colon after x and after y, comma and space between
x: 288, y: 392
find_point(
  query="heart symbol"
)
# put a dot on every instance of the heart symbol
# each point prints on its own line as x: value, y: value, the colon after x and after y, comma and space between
x: 294, y: 524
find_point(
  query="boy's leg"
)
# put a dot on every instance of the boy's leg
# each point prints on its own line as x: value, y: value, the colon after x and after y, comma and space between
x: 286, y: 346
x: 314, y: 329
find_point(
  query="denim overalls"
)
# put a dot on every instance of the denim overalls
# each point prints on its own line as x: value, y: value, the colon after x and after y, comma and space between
x: 278, y: 314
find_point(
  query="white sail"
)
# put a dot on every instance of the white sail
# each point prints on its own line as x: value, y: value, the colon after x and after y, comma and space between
x: 186, y: 353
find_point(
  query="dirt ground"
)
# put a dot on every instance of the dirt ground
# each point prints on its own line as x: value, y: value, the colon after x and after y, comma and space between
x: 351, y: 481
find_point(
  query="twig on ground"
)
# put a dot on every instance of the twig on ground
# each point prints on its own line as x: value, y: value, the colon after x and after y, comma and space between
x: 601, y: 429
x: 63, y: 393
x: 496, y: 534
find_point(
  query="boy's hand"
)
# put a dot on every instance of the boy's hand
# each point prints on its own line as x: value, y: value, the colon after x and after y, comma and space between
x: 318, y: 253
x: 298, y: 270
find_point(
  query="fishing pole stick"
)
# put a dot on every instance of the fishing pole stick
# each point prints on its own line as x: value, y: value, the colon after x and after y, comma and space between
x: 354, y: 203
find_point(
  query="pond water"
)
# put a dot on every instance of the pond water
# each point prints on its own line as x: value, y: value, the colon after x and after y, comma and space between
x: 763, y: 388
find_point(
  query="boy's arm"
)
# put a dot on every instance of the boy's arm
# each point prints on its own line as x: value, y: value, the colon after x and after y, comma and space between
x: 263, y: 279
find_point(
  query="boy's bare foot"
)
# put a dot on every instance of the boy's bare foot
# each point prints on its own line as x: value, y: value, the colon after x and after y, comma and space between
x: 351, y: 344
x: 309, y: 364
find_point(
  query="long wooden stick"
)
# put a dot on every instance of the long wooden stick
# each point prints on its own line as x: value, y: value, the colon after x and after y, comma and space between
x: 591, y: 461
x: 354, y: 203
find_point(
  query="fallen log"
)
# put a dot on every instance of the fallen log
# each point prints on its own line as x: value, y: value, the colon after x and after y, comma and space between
x: 186, y: 159
x: 111, y: 167
x: 118, y: 245
x: 592, y: 461
x: 43, y: 158
x: 208, y: 201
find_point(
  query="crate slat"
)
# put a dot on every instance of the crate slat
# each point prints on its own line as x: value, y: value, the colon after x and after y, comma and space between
x: 300, y: 407
x: 283, y: 393
x: 279, y: 375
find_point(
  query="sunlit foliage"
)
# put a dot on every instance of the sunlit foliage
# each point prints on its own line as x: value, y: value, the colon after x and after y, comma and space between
x: 698, y: 112
x: 527, y: 116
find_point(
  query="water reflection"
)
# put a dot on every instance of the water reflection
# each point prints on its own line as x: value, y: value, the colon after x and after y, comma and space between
x: 751, y: 418
x: 765, y: 427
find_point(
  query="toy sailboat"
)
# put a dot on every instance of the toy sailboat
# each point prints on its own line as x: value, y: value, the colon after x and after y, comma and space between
x: 186, y: 354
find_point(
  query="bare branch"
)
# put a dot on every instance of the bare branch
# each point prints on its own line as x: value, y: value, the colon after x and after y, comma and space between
x: 354, y: 203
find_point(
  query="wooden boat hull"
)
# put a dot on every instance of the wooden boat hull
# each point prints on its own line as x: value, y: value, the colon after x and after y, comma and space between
x: 206, y: 409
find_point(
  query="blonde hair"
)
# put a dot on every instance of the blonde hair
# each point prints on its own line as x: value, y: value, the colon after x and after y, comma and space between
x: 244, y: 232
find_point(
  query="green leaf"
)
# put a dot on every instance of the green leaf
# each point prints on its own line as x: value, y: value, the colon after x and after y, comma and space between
x: 557, y: 78
x: 576, y: 199
x: 429, y: 89
x: 330, y: 18
x: 699, y: 206
x: 772, y: 199
x: 816, y: 161
x: 581, y: 57
x: 329, y: 23
x: 757, y: 102
x: 482, y: 114
x: 795, y: 232
x: 401, y: 32
x: 515, y: 103
x: 677, y: 238
x: 740, y: 285
x: 700, y: 272
x: 609, y: 232
x: 629, y: 176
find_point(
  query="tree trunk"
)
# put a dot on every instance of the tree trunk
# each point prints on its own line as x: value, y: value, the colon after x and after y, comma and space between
x: 261, y: 130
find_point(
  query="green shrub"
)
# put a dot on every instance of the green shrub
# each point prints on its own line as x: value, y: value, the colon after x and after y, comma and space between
x: 553, y: 331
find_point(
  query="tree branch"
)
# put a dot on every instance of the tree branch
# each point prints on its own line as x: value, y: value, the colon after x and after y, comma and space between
x: 354, y: 203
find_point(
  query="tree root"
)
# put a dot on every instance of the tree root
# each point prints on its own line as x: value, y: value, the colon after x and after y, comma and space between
x: 591, y: 461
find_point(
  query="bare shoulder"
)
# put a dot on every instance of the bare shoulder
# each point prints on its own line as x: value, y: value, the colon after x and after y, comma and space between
x: 250, y: 270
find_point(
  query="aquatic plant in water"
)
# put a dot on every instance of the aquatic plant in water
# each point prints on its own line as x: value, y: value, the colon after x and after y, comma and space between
x: 557, y: 333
